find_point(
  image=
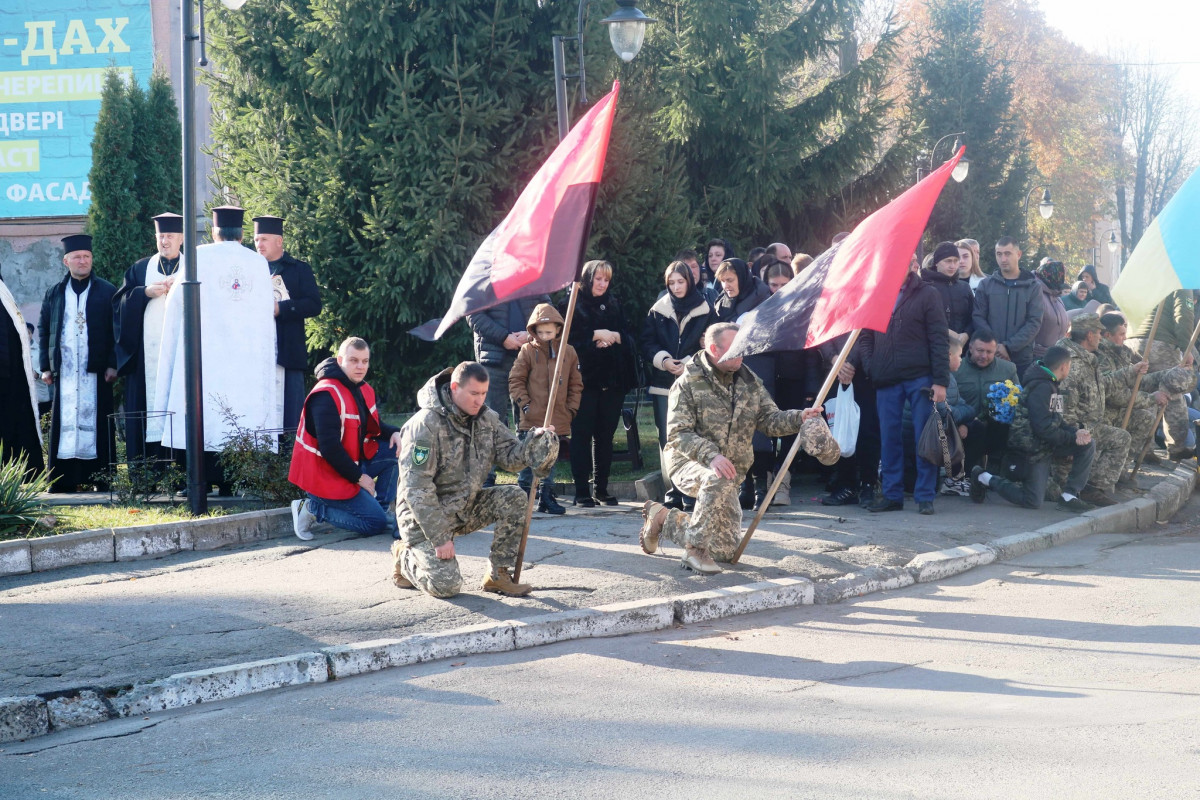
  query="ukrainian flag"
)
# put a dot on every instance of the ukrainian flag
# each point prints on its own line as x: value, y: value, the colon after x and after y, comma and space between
x: 1166, y: 259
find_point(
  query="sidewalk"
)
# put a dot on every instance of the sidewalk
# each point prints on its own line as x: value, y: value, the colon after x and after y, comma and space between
x: 111, y: 625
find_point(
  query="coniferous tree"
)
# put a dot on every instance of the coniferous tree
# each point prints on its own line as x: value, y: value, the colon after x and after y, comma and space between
x: 157, y: 148
x: 958, y: 85
x: 113, y: 214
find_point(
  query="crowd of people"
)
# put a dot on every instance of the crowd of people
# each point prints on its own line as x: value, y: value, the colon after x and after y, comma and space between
x: 1051, y: 395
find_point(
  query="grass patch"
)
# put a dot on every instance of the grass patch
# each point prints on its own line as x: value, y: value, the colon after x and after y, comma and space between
x: 69, y: 519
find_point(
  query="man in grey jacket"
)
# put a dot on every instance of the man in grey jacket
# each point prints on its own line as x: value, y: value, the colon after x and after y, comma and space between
x: 1009, y: 304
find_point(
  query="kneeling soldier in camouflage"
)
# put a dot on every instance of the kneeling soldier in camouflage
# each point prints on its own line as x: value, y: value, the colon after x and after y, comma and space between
x: 713, y: 410
x: 446, y: 452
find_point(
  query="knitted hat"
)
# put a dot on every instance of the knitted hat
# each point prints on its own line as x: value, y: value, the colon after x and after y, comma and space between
x: 944, y: 250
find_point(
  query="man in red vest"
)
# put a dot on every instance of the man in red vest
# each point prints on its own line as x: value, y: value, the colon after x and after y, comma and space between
x: 344, y: 457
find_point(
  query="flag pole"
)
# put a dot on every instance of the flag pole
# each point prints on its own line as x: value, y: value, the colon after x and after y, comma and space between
x: 1137, y: 382
x: 566, y: 332
x: 787, y: 462
x: 1162, y: 412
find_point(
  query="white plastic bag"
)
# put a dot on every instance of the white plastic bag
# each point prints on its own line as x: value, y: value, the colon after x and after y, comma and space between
x: 842, y: 414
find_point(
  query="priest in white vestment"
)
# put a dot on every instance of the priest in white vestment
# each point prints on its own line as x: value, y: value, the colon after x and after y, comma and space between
x: 78, y: 361
x: 237, y: 334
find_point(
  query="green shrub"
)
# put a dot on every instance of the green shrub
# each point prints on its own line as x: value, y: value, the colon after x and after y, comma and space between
x: 20, y: 504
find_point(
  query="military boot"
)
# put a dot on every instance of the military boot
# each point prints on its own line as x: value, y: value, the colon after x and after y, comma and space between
x: 502, y: 583
x: 398, y: 548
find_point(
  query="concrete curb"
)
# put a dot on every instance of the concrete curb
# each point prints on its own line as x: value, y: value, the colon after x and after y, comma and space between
x: 106, y: 545
x: 28, y: 717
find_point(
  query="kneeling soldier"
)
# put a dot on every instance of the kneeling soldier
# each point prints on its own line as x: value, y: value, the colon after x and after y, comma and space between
x: 446, y: 452
x: 713, y: 410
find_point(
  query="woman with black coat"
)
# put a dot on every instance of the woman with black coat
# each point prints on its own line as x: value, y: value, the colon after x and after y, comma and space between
x: 606, y: 349
x: 958, y: 301
x: 671, y: 333
x: 742, y: 293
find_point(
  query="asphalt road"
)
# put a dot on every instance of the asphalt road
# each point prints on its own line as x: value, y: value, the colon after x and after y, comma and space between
x: 1070, y: 673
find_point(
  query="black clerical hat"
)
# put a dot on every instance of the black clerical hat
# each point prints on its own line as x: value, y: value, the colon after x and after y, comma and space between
x: 228, y: 216
x: 80, y: 241
x: 272, y: 225
x: 168, y: 223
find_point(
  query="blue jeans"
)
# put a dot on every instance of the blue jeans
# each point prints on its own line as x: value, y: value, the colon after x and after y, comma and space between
x: 363, y: 513
x: 890, y: 406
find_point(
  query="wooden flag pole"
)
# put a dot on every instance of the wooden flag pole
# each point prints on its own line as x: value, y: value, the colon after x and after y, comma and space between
x: 1137, y: 382
x: 787, y: 462
x: 566, y: 332
x: 1162, y: 412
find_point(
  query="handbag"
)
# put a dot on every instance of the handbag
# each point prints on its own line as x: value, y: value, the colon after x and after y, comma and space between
x: 940, y: 443
x: 843, y: 414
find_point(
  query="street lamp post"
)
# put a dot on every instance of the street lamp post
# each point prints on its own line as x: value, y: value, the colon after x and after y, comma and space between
x: 1114, y: 247
x: 626, y: 32
x: 194, y: 407
x: 959, y: 174
x: 1045, y: 208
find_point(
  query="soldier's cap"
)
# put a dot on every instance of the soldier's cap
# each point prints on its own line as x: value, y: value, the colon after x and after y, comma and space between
x: 228, y: 216
x: 168, y: 223
x: 1086, y: 323
x: 269, y: 225
x: 76, y: 242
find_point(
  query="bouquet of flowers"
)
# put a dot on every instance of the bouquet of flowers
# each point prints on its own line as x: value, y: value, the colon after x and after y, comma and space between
x: 1003, y: 399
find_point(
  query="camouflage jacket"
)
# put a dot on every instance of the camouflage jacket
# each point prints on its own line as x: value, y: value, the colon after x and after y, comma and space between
x: 1117, y: 366
x: 445, y: 456
x: 1083, y: 388
x: 710, y: 413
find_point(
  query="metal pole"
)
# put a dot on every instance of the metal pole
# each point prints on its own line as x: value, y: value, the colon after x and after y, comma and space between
x: 560, y: 88
x: 197, y: 489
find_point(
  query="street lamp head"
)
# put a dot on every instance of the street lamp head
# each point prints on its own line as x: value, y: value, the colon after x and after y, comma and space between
x: 1114, y: 244
x: 959, y: 173
x: 626, y: 29
x: 1046, y: 207
x: 233, y: 5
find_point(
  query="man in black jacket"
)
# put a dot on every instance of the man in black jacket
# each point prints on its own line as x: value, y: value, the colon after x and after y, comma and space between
x: 295, y: 301
x: 909, y: 363
x: 1038, y: 435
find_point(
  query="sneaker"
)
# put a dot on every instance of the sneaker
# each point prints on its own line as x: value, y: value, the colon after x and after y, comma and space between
x: 866, y: 495
x: 398, y: 548
x: 1074, y: 505
x: 585, y: 502
x: 302, y: 520
x: 925, y: 507
x: 956, y: 488
x: 700, y: 562
x: 502, y: 583
x: 883, y: 504
x: 978, y: 492
x: 606, y: 499
x: 842, y: 497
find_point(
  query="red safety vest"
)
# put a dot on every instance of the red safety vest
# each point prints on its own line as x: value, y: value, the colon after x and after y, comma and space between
x: 309, y: 469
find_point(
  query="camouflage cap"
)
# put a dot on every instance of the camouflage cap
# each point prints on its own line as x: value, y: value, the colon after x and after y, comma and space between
x: 1086, y: 323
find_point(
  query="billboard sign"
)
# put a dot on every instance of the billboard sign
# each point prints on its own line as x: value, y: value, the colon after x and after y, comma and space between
x: 53, y: 56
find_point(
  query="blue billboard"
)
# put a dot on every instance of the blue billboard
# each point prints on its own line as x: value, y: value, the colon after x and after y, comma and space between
x: 53, y: 56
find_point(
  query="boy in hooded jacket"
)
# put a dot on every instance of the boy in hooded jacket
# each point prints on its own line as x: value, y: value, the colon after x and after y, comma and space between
x: 529, y: 386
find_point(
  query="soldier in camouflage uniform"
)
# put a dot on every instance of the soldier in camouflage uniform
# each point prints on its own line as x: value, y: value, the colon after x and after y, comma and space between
x: 1166, y: 351
x: 1038, y: 434
x: 1083, y: 407
x: 713, y: 410
x: 1120, y: 367
x: 446, y: 452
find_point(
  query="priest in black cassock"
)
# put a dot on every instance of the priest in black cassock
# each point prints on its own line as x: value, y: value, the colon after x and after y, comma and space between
x: 20, y: 433
x: 138, y: 310
x: 297, y: 299
x: 75, y: 335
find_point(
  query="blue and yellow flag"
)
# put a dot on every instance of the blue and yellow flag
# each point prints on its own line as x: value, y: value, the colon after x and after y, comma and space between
x: 1166, y: 259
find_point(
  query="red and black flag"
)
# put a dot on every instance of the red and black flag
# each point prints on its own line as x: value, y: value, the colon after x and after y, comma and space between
x: 851, y: 285
x: 539, y: 246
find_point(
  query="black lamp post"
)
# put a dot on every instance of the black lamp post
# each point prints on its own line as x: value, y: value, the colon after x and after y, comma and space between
x: 194, y: 409
x: 959, y: 174
x: 626, y: 32
x: 1045, y: 208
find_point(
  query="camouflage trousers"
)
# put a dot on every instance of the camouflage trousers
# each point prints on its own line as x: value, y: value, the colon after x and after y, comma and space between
x: 715, y: 524
x: 1112, y: 456
x: 502, y: 505
x: 1141, y: 423
x: 1162, y: 357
